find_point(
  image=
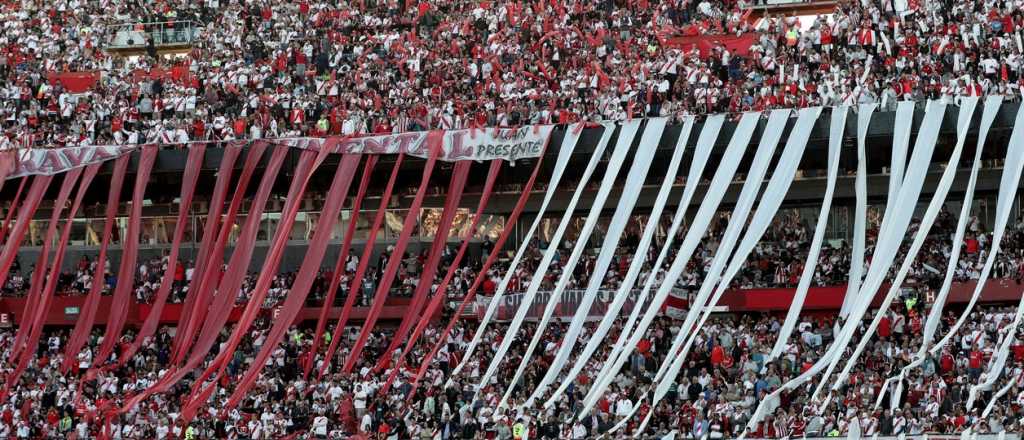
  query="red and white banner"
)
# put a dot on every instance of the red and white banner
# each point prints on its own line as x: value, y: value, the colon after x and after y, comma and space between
x: 825, y: 300
x: 470, y: 144
x: 505, y: 143
x: 52, y: 161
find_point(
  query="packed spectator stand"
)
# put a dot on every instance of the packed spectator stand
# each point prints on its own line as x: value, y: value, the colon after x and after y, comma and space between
x: 722, y: 382
x: 725, y: 376
x: 284, y: 69
x: 281, y: 69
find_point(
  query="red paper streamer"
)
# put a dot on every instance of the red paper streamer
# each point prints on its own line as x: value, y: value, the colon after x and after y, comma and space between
x: 308, y: 162
x: 471, y: 294
x: 304, y: 279
x: 210, y: 235
x: 451, y: 206
x: 188, y: 186
x: 35, y: 320
x: 230, y: 282
x: 126, y: 274
x: 14, y: 204
x: 88, y: 313
x: 38, y: 275
x: 434, y: 143
x: 25, y: 214
x: 207, y: 275
x: 440, y: 295
x: 227, y: 290
x: 339, y: 266
x: 364, y: 262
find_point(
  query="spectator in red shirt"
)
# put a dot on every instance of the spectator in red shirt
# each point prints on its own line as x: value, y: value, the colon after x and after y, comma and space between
x: 974, y: 363
x: 971, y: 246
x: 884, y: 327
x: 489, y: 287
x: 717, y: 355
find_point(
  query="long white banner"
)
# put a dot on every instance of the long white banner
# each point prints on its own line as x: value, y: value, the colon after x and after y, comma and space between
x: 471, y: 144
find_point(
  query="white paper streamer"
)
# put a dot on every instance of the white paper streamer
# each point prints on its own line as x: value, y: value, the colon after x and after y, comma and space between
x: 934, y: 207
x: 861, y: 209
x: 854, y: 432
x: 702, y: 152
x: 737, y: 221
x: 628, y: 128
x: 836, y: 130
x: 901, y: 140
x: 998, y: 362
x: 572, y: 136
x: 752, y: 184
x: 1007, y: 190
x: 967, y: 108
x: 638, y: 262
x: 634, y: 184
x: 1014, y: 165
x: 998, y: 395
x: 893, y: 230
x: 649, y: 141
x: 888, y: 243
x: 706, y: 212
x: 770, y: 202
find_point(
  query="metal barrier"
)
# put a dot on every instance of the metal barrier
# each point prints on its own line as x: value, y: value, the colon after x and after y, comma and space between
x: 164, y: 33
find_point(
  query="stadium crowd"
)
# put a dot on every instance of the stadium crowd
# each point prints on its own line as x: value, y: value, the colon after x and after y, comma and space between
x: 268, y: 68
x: 272, y: 68
x: 726, y: 375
